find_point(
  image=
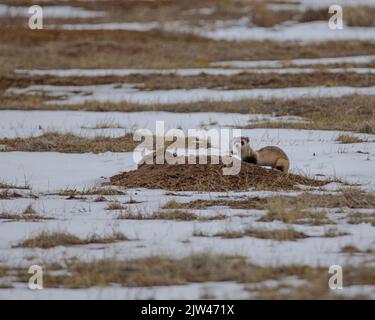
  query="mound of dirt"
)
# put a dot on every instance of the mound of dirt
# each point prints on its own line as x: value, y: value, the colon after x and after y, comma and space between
x: 209, y: 177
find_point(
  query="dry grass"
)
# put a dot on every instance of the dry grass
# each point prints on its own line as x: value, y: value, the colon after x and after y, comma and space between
x: 146, y: 10
x: 4, y: 185
x: 334, y: 232
x: 115, y: 206
x: 248, y: 80
x: 105, y: 124
x: 305, y: 208
x: 176, y: 215
x: 348, y: 113
x: 347, y: 198
x: 256, y: 203
x: 166, y: 271
x: 100, y: 199
x: 90, y: 192
x: 158, y: 271
x: 351, y: 249
x: 262, y: 16
x: 6, y: 194
x: 209, y: 177
x: 279, y: 206
x: 28, y: 214
x: 302, y: 209
x: 69, y: 143
x: 360, y: 16
x: 295, y: 216
x: 276, y: 234
x: 23, y: 48
x: 348, y: 139
x: 193, y: 11
x: 358, y: 218
x: 46, y: 240
x: 244, y: 80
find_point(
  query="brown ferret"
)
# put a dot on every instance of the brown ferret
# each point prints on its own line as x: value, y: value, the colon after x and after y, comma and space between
x: 268, y: 156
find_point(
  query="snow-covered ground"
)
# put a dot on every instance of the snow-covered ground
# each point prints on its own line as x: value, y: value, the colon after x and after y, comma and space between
x: 303, y: 5
x: 133, y: 93
x: 295, y: 62
x: 241, y: 30
x: 185, y: 72
x: 307, y: 32
x: 51, y: 172
x: 316, y: 4
x: 312, y: 152
x: 219, y: 290
x: 33, y: 123
x: 130, y: 26
x: 51, y: 12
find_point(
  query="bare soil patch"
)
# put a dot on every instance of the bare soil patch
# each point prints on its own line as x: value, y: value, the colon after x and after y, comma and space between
x: 209, y: 177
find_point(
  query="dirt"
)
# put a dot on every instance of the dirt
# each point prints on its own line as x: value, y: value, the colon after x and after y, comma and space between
x: 209, y: 177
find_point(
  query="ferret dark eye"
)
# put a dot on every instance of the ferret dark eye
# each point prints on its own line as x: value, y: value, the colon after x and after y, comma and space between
x: 242, y: 143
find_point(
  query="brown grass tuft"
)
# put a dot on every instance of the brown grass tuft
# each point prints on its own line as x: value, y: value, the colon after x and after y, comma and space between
x: 12, y: 186
x: 6, y: 194
x: 159, y: 270
x: 177, y: 215
x: 90, y: 192
x: 334, y: 232
x: 358, y: 218
x: 46, y: 240
x: 348, y: 139
x: 277, y: 234
x: 115, y: 206
x: 256, y: 203
x: 69, y: 143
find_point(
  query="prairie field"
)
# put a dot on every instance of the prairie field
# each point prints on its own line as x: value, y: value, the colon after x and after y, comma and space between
x: 77, y: 200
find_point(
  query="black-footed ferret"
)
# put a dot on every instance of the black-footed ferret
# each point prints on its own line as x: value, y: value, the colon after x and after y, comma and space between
x: 268, y: 156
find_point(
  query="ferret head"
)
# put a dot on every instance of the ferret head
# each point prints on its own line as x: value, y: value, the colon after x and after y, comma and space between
x: 239, y: 145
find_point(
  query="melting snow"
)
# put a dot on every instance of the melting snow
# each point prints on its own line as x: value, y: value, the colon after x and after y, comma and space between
x: 129, y: 93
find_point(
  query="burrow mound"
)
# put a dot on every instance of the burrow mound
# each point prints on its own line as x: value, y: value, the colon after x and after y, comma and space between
x: 209, y: 177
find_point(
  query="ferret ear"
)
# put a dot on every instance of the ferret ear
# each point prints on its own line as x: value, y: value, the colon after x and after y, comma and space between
x: 247, y: 139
